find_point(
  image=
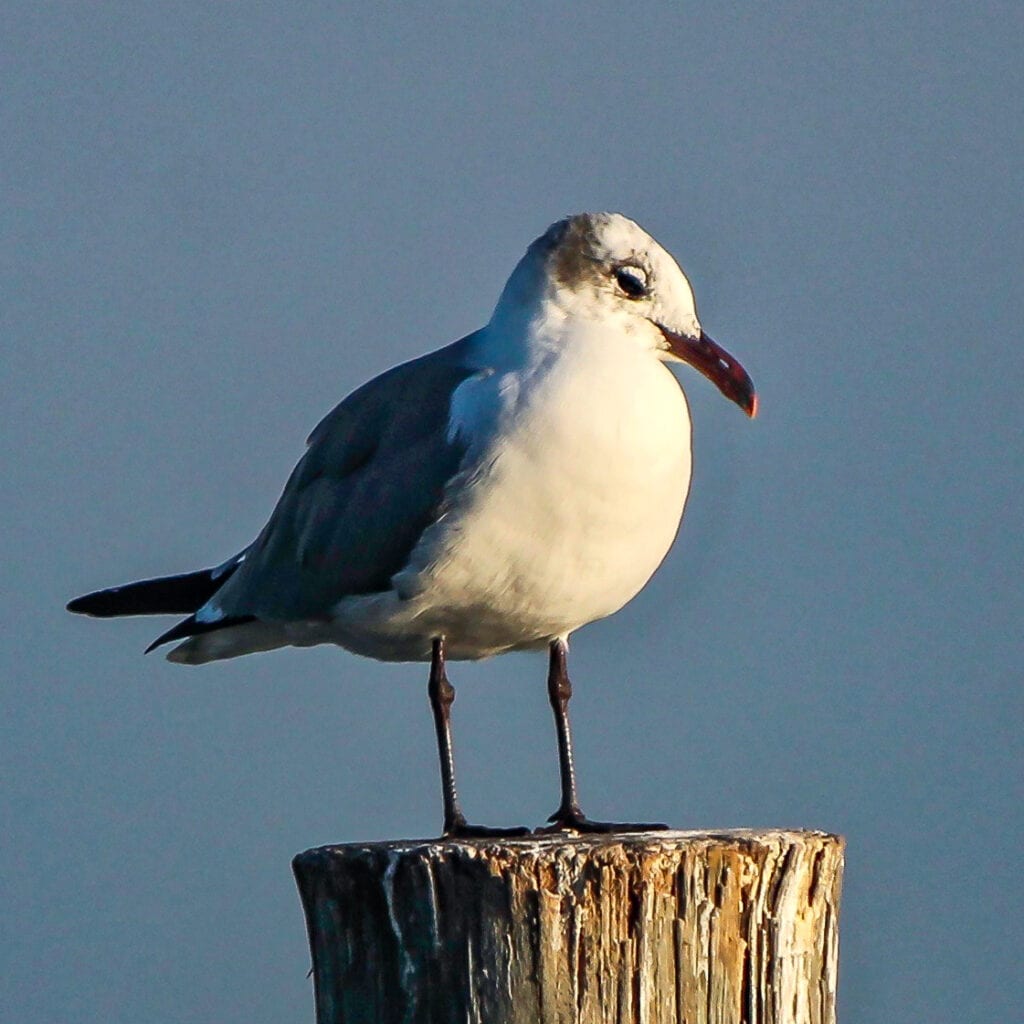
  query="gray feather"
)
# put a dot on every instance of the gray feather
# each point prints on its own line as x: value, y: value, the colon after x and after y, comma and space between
x: 372, y: 480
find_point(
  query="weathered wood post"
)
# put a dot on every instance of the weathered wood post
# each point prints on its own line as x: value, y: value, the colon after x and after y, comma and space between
x: 652, y: 928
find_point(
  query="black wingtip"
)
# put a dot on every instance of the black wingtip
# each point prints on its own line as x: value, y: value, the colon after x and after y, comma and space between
x: 166, y: 595
x: 180, y: 631
x: 101, y: 604
x: 190, y: 627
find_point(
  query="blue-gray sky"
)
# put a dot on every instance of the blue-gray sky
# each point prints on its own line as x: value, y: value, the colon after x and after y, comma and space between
x: 219, y: 219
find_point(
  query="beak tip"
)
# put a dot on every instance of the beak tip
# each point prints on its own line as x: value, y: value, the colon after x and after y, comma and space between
x: 752, y: 408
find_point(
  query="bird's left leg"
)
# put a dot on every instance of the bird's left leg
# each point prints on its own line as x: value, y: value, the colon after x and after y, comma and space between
x: 442, y: 696
x: 569, y: 815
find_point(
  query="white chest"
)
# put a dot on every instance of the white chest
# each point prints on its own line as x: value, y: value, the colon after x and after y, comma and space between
x: 580, y: 471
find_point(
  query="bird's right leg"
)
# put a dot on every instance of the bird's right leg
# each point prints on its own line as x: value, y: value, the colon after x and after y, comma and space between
x: 569, y: 816
x: 442, y: 696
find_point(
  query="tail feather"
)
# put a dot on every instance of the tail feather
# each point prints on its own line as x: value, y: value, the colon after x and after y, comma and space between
x: 168, y: 595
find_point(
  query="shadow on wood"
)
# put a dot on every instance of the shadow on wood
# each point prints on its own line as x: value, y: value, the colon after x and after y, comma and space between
x: 658, y: 928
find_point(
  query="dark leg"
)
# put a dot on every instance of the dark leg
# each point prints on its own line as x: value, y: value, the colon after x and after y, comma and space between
x: 559, y: 692
x: 442, y: 696
x: 569, y: 815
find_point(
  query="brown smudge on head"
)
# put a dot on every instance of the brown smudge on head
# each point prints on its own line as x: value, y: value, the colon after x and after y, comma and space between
x: 572, y: 250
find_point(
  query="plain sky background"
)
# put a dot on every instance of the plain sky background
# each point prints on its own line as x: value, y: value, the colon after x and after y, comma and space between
x: 218, y: 219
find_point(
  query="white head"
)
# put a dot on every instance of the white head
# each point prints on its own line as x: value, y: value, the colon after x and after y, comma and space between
x: 604, y: 268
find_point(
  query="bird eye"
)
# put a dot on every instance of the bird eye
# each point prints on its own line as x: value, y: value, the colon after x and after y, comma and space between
x: 632, y: 281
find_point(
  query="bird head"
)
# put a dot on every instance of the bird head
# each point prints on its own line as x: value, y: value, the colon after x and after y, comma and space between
x: 603, y: 268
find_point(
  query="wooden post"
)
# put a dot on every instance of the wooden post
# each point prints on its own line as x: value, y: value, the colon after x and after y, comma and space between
x: 653, y: 928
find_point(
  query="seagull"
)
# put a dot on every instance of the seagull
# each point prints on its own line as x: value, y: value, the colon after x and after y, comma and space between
x: 493, y: 495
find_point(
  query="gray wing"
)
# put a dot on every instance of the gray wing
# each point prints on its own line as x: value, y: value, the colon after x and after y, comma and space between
x: 372, y: 479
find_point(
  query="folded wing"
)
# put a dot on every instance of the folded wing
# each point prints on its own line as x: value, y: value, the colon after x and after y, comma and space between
x: 372, y: 480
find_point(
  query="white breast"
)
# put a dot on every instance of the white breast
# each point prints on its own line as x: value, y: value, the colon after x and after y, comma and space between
x: 580, y: 470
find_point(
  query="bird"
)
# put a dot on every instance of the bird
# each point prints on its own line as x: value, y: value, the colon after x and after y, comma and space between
x: 493, y: 495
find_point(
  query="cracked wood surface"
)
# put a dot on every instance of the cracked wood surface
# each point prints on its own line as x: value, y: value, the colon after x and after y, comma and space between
x: 653, y: 928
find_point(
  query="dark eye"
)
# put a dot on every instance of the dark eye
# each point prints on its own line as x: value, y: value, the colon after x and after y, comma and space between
x: 632, y: 281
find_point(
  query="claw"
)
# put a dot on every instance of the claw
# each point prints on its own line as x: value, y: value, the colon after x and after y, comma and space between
x: 463, y: 830
x: 578, y: 822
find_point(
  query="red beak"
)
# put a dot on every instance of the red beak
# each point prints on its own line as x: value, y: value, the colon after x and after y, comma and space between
x: 717, y: 365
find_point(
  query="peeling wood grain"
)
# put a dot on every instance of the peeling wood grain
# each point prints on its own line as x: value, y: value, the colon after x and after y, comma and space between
x: 657, y: 928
